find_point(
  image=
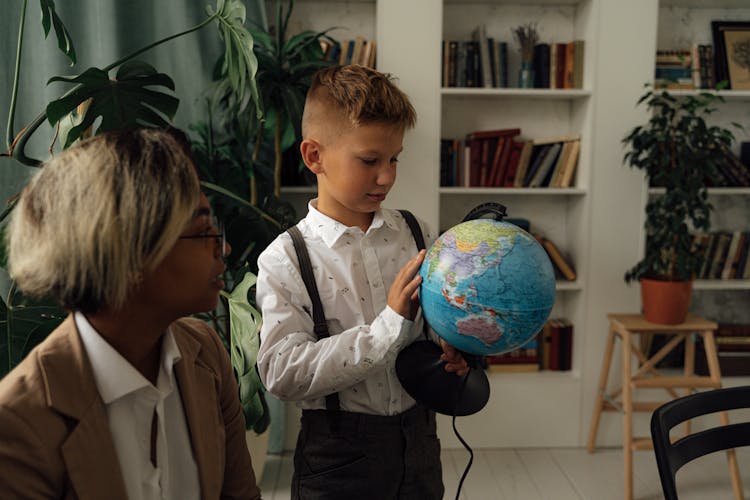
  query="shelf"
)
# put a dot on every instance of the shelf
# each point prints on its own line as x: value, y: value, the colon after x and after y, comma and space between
x: 728, y: 95
x: 719, y: 191
x: 516, y: 93
x: 513, y: 191
x: 721, y: 285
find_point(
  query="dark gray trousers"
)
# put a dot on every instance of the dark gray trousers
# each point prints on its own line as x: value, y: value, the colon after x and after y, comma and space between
x: 368, y: 457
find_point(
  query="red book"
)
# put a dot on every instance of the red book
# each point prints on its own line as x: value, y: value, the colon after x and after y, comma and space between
x: 554, y: 345
x: 484, y: 134
x: 501, y: 144
x: 503, y: 166
x: 515, y: 156
x: 560, y: 66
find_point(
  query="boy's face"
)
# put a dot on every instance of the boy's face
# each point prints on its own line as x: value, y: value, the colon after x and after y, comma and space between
x: 355, y: 169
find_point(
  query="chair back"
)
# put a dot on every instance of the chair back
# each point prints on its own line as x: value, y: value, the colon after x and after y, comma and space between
x: 671, y: 456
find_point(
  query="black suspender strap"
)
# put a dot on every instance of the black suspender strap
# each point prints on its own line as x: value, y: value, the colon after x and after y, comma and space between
x: 416, y: 231
x: 333, y: 404
x: 305, y: 268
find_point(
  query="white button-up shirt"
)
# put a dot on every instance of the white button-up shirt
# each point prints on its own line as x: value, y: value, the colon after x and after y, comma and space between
x: 131, y: 401
x: 353, y: 271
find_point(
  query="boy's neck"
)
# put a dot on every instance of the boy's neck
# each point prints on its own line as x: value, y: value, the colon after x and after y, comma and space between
x: 348, y: 218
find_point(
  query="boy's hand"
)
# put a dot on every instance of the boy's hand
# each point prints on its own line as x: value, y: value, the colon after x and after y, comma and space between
x: 454, y: 362
x: 403, y: 296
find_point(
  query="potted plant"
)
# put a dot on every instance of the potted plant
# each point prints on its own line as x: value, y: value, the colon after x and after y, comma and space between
x: 125, y: 93
x: 680, y: 152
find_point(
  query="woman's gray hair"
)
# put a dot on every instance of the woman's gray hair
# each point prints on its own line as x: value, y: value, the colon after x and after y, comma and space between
x: 99, y: 214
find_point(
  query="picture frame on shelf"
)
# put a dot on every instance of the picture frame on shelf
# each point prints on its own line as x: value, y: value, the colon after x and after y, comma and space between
x: 732, y: 52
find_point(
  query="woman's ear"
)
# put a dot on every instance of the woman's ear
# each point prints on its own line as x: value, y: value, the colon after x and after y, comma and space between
x: 311, y: 155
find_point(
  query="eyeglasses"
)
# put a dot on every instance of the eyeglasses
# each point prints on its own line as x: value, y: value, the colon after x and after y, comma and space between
x: 218, y: 234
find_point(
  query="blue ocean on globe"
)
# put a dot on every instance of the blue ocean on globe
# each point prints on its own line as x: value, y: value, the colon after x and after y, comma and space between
x: 488, y: 286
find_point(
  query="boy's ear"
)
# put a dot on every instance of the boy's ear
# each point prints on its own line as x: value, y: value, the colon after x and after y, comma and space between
x: 310, y: 150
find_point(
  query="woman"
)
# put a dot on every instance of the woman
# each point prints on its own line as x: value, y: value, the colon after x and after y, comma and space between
x: 126, y: 398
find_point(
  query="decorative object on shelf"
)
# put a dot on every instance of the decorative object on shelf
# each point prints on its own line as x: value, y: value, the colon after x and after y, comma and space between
x: 732, y: 52
x: 679, y: 151
x: 527, y: 37
x: 487, y: 288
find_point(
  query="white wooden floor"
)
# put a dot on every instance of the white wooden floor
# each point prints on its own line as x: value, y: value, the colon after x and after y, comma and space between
x: 555, y: 474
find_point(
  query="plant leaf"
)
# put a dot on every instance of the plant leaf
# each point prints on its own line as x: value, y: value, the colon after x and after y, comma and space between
x: 240, y: 63
x: 123, y: 102
x: 64, y: 41
x: 244, y: 326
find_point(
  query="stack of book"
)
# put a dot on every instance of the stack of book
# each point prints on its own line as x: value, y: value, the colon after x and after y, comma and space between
x: 493, y: 158
x: 691, y: 68
x: 559, y: 65
x: 733, y: 350
x: 551, y: 349
x: 724, y: 254
x: 357, y: 51
x: 479, y: 62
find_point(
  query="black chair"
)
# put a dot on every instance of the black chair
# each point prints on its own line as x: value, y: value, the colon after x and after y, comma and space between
x: 671, y: 456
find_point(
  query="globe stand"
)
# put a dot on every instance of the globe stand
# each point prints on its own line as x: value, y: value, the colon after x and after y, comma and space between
x: 423, y: 375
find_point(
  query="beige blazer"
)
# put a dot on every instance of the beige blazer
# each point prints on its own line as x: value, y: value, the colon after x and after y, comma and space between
x: 54, y: 436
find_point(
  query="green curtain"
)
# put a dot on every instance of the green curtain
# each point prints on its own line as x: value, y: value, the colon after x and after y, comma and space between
x: 102, y: 32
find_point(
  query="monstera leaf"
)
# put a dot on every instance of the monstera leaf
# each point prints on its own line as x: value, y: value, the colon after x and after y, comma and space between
x: 240, y: 63
x: 244, y: 327
x: 51, y: 19
x: 123, y: 102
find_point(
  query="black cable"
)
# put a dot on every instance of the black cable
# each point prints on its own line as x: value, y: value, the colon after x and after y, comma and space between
x: 460, y: 438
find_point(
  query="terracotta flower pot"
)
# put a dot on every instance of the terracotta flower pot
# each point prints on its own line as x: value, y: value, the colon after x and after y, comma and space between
x: 665, y: 302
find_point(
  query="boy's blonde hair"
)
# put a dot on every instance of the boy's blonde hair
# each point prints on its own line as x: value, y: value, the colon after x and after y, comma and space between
x: 354, y: 95
x: 99, y: 214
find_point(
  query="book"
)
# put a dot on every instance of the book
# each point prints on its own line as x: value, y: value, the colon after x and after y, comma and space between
x: 503, y: 160
x: 731, y: 261
x: 515, y: 156
x: 560, y: 65
x: 538, y: 154
x: 578, y: 66
x: 356, y: 57
x: 523, y: 163
x: 569, y: 168
x: 742, y: 256
x: 722, y: 248
x: 705, y: 270
x: 565, y: 355
x: 562, y: 158
x: 479, y: 36
x: 569, y: 68
x: 541, y: 65
x: 553, y: 66
x: 558, y: 260
x: 545, y: 166
x: 513, y: 368
x: 496, y: 157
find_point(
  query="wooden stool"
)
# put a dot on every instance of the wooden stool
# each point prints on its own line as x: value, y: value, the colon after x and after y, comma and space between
x: 625, y: 327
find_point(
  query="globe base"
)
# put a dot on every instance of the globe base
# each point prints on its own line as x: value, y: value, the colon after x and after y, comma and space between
x: 423, y: 376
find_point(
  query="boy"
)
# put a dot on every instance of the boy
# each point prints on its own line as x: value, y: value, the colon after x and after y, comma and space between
x: 362, y: 435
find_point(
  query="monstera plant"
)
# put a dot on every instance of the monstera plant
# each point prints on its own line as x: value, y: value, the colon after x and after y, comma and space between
x: 124, y: 94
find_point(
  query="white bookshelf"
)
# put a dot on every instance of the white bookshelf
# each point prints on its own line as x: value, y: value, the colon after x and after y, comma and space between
x: 598, y: 221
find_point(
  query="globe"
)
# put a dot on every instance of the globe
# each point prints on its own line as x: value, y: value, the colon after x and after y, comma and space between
x: 487, y: 286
